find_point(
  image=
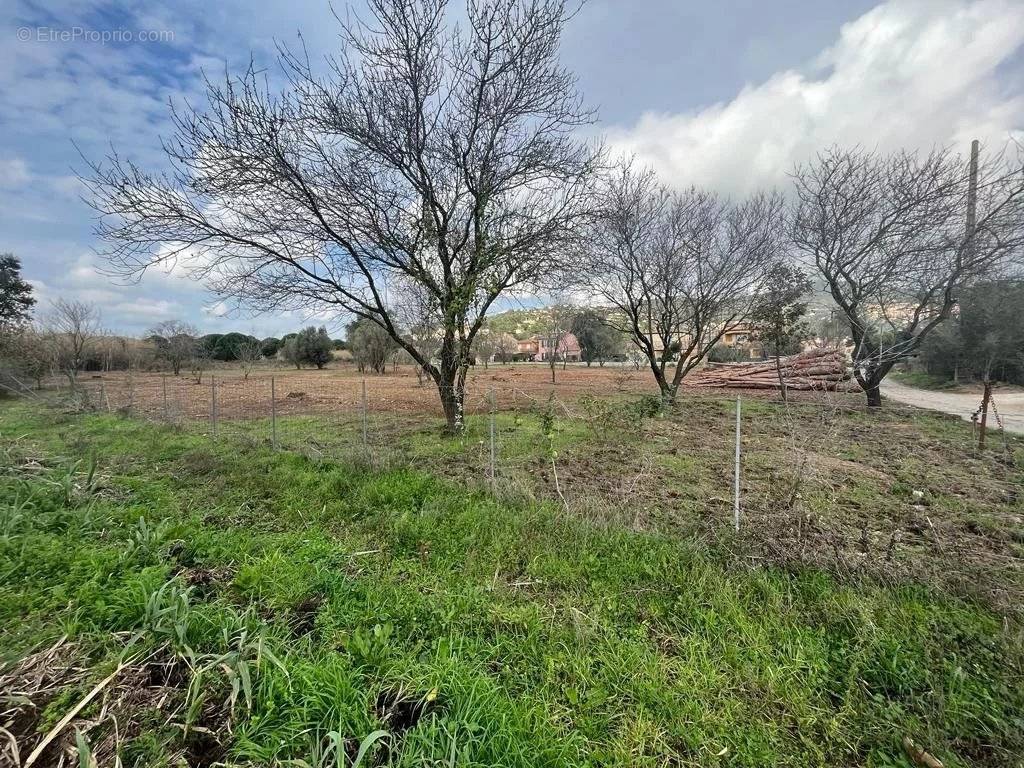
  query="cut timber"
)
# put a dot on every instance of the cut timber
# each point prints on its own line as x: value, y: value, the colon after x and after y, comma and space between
x: 823, y: 368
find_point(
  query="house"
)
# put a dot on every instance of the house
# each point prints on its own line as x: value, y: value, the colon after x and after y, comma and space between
x: 526, y: 349
x: 739, y: 335
x: 564, y: 347
x: 743, y: 336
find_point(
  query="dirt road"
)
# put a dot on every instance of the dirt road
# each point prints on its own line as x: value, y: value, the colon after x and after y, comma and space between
x: 1009, y: 404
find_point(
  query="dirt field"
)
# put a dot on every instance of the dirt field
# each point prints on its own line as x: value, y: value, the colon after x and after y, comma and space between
x: 338, y: 389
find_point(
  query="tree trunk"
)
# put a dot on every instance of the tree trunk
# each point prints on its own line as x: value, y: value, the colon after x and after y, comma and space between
x: 870, y: 375
x: 668, y: 393
x: 874, y: 394
x: 453, y: 403
x: 778, y: 370
x: 451, y: 385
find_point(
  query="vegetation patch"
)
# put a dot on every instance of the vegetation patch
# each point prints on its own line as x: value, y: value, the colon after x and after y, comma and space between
x: 291, y: 609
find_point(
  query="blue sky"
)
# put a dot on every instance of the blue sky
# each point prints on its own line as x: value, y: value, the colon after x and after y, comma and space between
x: 725, y: 94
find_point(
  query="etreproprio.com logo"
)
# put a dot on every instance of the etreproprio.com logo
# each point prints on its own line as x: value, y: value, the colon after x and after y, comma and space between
x: 100, y: 36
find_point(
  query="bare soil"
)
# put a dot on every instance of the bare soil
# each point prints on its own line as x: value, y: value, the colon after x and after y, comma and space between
x: 339, y: 389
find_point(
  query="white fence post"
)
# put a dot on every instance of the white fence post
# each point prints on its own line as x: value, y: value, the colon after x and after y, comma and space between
x: 364, y: 413
x: 273, y: 415
x: 736, y: 472
x: 494, y: 462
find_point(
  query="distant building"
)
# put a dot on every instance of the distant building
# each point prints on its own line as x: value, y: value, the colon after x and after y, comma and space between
x: 526, y: 349
x: 565, y: 349
x: 540, y: 347
x: 744, y: 336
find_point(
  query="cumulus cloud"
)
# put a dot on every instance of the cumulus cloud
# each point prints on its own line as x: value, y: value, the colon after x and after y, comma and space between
x: 909, y: 73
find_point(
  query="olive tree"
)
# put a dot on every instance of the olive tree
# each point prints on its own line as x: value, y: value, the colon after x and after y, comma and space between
x: 370, y: 345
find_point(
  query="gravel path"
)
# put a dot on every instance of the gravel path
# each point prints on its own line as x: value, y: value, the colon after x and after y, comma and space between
x: 1010, y: 404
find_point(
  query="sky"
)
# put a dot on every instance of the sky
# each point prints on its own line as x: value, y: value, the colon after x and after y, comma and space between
x: 726, y: 94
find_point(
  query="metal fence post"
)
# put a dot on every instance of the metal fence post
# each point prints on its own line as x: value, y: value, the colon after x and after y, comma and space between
x: 273, y: 415
x: 103, y: 396
x: 736, y: 473
x: 163, y: 381
x: 364, y: 413
x: 213, y: 403
x: 493, y: 447
x: 130, y: 401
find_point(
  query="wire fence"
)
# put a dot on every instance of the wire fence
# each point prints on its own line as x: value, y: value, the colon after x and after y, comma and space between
x: 520, y: 429
x: 513, y: 427
x: 788, y: 479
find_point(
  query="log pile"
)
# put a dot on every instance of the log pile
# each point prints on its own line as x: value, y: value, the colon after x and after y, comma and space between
x: 818, y: 369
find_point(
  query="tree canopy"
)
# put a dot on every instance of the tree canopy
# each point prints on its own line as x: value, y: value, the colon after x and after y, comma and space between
x: 16, y: 299
x: 898, y: 237
x: 439, y: 154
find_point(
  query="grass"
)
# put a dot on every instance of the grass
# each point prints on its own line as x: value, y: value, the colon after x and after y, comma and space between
x: 922, y: 380
x: 276, y: 607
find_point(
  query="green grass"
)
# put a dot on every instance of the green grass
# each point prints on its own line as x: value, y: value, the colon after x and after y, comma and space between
x: 329, y: 586
x: 922, y: 380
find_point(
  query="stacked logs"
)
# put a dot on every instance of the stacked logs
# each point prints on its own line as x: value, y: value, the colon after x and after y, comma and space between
x: 819, y: 369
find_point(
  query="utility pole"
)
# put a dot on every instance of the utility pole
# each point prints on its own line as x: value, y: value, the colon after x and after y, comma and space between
x: 972, y: 193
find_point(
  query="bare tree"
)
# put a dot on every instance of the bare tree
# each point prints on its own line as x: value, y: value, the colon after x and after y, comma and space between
x: 416, y: 309
x: 249, y: 353
x: 679, y: 269
x: 438, y: 154
x: 73, y: 330
x: 175, y: 342
x: 635, y: 355
x: 557, y: 321
x: 505, y: 347
x: 889, y: 234
x: 199, y: 362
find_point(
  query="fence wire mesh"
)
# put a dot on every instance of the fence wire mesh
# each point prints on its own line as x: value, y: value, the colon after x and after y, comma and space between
x: 521, y: 430
x: 345, y: 415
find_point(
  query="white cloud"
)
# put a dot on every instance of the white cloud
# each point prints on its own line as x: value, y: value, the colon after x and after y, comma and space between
x: 911, y: 73
x: 14, y: 173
